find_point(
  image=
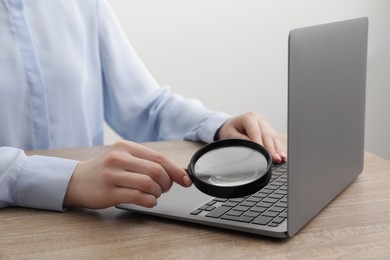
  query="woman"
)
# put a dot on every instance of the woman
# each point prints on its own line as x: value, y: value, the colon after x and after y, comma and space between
x: 65, y: 67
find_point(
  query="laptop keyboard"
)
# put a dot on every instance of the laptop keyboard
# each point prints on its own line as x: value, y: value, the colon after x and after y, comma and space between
x: 267, y: 207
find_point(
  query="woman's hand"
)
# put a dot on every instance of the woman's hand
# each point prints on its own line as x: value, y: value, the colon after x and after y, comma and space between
x: 125, y: 173
x: 256, y: 128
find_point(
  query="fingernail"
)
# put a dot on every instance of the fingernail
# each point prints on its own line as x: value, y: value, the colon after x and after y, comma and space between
x: 187, y: 181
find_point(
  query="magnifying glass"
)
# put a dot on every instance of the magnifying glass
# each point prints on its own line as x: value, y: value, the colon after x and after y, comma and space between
x: 230, y: 168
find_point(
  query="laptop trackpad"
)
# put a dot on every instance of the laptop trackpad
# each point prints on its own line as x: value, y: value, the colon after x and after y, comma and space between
x: 178, y: 200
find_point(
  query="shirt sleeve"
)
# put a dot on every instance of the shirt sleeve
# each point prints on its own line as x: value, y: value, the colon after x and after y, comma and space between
x: 135, y: 106
x: 33, y: 181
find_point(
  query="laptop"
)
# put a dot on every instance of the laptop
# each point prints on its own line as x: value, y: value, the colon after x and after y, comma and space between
x: 326, y: 116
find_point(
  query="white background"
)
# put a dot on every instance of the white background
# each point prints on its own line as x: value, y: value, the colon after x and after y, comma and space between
x: 232, y: 54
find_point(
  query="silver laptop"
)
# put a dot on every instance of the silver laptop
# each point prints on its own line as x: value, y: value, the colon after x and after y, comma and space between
x: 326, y: 112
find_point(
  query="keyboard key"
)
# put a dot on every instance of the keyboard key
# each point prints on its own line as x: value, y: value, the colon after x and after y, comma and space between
x: 258, y: 209
x: 210, y: 208
x: 278, y: 183
x: 276, y: 209
x: 204, y: 207
x: 260, y: 195
x: 282, y: 192
x: 230, y: 204
x: 239, y: 219
x: 281, y: 204
x: 273, y: 186
x: 196, y: 212
x: 218, y: 212
x: 234, y: 213
x: 283, y: 214
x: 242, y: 208
x: 248, y: 203
x: 210, y: 203
x: 278, y: 220
x: 270, y: 213
x: 237, y: 200
x: 220, y: 199
x: 267, y: 191
x: 252, y: 214
x: 270, y: 200
x: 262, y: 220
x: 254, y: 199
x: 264, y: 204
x: 276, y: 196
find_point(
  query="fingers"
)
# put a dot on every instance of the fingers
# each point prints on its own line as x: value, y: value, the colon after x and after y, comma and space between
x: 255, y: 128
x: 252, y: 128
x: 272, y: 145
x: 140, y: 182
x: 124, y: 195
x: 243, y: 127
x: 125, y: 172
x: 272, y: 141
x: 279, y: 149
x: 151, y: 169
x: 155, y: 165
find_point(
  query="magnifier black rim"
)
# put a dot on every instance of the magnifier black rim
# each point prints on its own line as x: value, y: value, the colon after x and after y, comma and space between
x: 230, y: 191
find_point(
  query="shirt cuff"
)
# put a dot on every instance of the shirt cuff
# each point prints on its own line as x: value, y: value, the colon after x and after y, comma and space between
x: 43, y: 182
x: 211, y: 125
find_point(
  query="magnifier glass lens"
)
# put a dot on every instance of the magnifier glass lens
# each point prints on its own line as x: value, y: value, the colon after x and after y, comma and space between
x: 231, y: 166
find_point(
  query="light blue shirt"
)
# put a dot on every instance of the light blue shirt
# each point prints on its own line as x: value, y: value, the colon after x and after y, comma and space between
x: 65, y: 67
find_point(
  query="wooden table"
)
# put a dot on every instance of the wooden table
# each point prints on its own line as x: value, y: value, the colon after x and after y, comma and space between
x: 356, y: 225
